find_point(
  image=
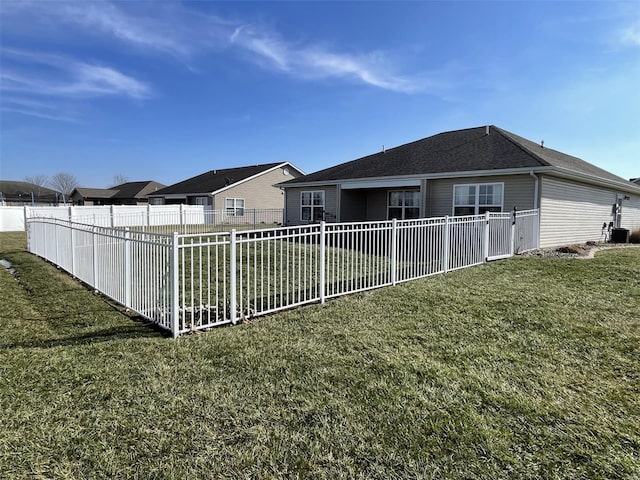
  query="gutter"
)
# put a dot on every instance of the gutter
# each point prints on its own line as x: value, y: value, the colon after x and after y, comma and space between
x: 549, y: 170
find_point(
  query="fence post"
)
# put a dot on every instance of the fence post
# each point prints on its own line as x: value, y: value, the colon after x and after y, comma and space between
x: 254, y: 219
x: 175, y: 290
x: 127, y: 268
x: 232, y: 276
x: 486, y: 235
x: 182, y: 217
x: 394, y: 249
x: 73, y: 248
x: 148, y: 215
x: 70, y: 213
x: 95, y: 256
x: 55, y: 226
x: 322, y: 260
x: 111, y: 215
x: 445, y: 252
x: 513, y: 231
x: 25, y: 223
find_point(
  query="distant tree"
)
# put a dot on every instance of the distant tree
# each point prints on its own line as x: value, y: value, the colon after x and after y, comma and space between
x: 119, y: 180
x: 63, y: 183
x: 39, y: 180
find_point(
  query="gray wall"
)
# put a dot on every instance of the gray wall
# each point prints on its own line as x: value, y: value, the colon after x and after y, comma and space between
x: 518, y: 192
x: 292, y: 203
x: 573, y: 212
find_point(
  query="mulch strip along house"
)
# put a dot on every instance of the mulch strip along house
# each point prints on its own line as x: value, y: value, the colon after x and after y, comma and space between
x: 465, y: 172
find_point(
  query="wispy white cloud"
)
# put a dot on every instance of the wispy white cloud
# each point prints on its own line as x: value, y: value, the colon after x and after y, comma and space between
x: 630, y: 35
x: 313, y: 61
x: 55, y: 75
x: 185, y: 33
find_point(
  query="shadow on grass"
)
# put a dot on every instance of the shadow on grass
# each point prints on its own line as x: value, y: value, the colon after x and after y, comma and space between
x: 123, y: 332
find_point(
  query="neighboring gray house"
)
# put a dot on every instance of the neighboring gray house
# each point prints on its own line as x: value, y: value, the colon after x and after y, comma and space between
x: 129, y: 193
x: 232, y: 189
x: 469, y: 172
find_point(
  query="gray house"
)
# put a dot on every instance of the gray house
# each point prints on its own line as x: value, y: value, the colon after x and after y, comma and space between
x: 232, y: 189
x: 466, y: 172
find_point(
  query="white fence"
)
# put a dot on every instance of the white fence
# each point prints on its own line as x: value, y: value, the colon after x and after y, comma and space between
x: 150, y: 218
x: 12, y: 219
x: 188, y: 282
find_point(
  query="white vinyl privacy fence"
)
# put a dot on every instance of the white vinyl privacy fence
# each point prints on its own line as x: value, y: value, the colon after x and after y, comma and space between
x: 189, y: 282
x: 160, y: 218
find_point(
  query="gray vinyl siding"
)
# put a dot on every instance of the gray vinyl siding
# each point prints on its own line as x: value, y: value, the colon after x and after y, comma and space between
x: 518, y: 192
x: 292, y: 203
x: 631, y: 213
x: 259, y: 192
x: 572, y: 212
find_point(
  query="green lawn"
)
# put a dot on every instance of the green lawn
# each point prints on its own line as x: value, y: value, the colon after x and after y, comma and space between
x: 523, y: 368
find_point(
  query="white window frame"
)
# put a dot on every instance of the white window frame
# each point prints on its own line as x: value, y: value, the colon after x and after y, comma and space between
x: 403, y: 207
x: 476, y: 206
x: 235, y: 210
x: 316, y: 210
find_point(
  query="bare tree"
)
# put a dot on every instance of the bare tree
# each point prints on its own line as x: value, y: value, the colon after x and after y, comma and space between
x: 63, y: 183
x: 40, y: 181
x: 119, y: 179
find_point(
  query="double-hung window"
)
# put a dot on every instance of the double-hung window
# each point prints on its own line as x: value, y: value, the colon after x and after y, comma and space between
x: 312, y: 206
x: 403, y: 204
x: 234, y: 207
x: 478, y: 198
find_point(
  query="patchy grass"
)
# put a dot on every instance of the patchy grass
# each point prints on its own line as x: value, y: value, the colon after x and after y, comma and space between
x: 524, y: 368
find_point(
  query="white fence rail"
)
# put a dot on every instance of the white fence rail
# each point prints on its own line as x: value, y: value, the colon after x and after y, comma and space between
x: 189, y: 282
x: 163, y: 218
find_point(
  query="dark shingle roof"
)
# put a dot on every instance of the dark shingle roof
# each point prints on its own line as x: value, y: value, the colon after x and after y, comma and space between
x: 128, y: 190
x: 96, y: 192
x: 215, y: 180
x: 136, y: 189
x: 456, y: 151
x: 21, y: 191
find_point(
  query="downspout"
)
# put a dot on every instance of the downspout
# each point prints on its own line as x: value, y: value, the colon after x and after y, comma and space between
x: 535, y: 189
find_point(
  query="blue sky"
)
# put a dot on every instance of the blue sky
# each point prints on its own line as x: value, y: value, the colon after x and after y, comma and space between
x: 167, y: 90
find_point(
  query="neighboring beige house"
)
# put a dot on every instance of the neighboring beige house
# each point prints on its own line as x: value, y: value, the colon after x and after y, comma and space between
x: 129, y: 193
x: 465, y: 172
x: 232, y: 189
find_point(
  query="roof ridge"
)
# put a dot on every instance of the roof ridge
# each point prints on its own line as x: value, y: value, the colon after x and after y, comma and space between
x: 508, y: 135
